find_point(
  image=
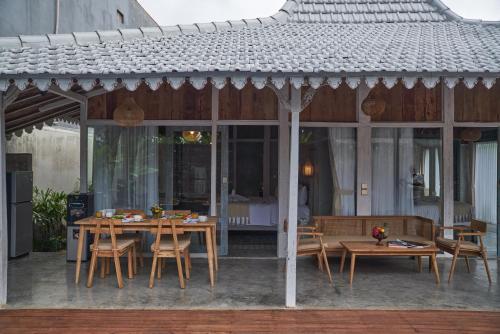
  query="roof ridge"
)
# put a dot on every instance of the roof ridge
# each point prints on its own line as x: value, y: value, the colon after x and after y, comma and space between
x: 102, y: 36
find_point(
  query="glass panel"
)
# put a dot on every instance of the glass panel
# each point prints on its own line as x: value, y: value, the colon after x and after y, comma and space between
x: 327, y: 179
x: 406, y: 165
x: 475, y: 164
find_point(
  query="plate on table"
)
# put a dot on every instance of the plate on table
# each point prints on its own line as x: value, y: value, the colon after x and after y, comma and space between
x: 191, y: 220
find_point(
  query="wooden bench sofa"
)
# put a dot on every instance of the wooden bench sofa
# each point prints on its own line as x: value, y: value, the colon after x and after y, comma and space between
x: 359, y: 228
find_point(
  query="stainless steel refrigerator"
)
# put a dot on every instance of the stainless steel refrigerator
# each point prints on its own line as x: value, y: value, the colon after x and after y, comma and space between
x: 20, y: 212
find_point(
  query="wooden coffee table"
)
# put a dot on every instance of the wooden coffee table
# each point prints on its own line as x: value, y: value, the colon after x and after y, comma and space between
x: 365, y: 248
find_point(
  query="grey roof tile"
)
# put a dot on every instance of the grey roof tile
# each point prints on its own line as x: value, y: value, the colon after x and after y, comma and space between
x: 330, y: 36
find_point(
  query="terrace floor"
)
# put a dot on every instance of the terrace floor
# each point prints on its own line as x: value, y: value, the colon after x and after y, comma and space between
x: 46, y: 280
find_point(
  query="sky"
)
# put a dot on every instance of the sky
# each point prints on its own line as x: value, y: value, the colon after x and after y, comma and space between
x: 171, y: 12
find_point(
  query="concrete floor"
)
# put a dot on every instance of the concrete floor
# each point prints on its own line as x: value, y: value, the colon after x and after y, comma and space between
x: 46, y: 280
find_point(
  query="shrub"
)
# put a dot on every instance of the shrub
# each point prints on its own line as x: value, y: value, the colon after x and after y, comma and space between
x: 49, y: 225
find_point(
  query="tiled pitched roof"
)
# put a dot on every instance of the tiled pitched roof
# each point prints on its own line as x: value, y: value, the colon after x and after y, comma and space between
x: 306, y: 36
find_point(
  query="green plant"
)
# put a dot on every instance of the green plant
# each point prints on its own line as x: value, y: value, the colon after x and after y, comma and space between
x: 49, y: 225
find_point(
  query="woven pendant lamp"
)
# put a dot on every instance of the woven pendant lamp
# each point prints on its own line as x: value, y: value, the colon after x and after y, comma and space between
x: 470, y: 134
x: 128, y: 114
x: 373, y: 105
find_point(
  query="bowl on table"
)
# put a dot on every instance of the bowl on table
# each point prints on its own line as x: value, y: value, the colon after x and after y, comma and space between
x: 202, y: 219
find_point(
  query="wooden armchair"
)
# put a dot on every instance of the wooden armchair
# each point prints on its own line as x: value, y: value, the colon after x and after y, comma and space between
x: 110, y: 248
x: 309, y: 242
x: 174, y: 247
x: 464, y: 248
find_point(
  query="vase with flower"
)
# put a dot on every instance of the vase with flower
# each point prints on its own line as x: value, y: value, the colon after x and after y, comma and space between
x: 379, y: 233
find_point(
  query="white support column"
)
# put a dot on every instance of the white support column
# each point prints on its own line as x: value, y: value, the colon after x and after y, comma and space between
x: 84, y: 143
x: 3, y: 207
x: 291, y: 262
x: 447, y: 188
x: 266, y: 162
x: 169, y: 168
x: 224, y: 190
x: 283, y: 176
x: 213, y: 166
x: 498, y: 191
x: 364, y: 156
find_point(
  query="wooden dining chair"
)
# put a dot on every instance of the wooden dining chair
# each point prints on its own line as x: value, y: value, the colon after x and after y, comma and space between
x: 137, y: 237
x: 309, y: 242
x: 110, y: 248
x: 464, y: 248
x: 174, y: 246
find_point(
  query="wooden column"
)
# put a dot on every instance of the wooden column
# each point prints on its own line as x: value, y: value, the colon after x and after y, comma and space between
x: 84, y: 143
x: 283, y: 176
x: 291, y: 262
x: 4, y: 255
x: 447, y: 188
x: 224, y: 190
x: 213, y: 166
x: 169, y: 168
x: 364, y: 156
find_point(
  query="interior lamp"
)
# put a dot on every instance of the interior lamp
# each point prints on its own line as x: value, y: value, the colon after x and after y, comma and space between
x: 191, y: 136
x: 308, y: 168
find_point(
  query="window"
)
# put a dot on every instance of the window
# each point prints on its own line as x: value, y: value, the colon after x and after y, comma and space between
x: 120, y: 17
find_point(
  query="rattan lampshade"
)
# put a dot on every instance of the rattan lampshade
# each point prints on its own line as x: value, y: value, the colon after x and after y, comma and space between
x: 470, y: 134
x: 373, y: 106
x: 129, y: 113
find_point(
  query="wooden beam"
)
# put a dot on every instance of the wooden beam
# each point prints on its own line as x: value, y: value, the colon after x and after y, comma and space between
x: 3, y: 208
x: 364, y: 156
x: 36, y: 120
x: 213, y: 165
x: 83, y: 147
x: 291, y: 263
x: 67, y: 94
x: 448, y: 101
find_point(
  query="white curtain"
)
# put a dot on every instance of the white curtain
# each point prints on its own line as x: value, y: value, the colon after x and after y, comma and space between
x: 125, y: 167
x: 392, y: 171
x: 485, y: 181
x: 342, y: 142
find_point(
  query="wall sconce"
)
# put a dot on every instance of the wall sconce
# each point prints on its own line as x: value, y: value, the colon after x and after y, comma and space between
x: 308, y: 168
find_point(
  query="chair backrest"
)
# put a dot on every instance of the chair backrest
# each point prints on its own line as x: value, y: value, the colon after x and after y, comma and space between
x: 478, y: 225
x: 168, y: 226
x: 105, y: 227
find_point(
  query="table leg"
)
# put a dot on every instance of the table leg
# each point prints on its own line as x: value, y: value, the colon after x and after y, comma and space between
x: 342, y: 260
x: 81, y: 237
x: 210, y: 254
x: 214, y: 242
x: 353, y: 264
x: 435, y: 267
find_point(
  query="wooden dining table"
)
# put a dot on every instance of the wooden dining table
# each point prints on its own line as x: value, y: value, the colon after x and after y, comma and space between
x: 209, y: 228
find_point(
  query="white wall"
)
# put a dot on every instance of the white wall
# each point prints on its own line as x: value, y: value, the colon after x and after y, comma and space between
x: 56, y: 156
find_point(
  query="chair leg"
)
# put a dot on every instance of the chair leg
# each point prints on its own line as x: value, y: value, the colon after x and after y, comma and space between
x: 108, y: 265
x: 325, y: 259
x: 134, y: 258
x: 467, y: 263
x: 103, y: 267
x: 452, y: 269
x: 160, y: 263
x: 130, y: 260
x: 118, y: 269
x: 153, y: 270
x: 93, y: 264
x: 320, y: 261
x: 485, y: 259
x: 186, y: 264
x: 180, y: 271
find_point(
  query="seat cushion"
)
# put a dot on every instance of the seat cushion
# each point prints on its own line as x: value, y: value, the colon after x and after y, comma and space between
x: 449, y: 244
x: 168, y: 244
x: 309, y: 244
x: 121, y: 244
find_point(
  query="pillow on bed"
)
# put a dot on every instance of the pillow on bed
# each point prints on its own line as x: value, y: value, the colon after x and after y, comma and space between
x: 302, y: 195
